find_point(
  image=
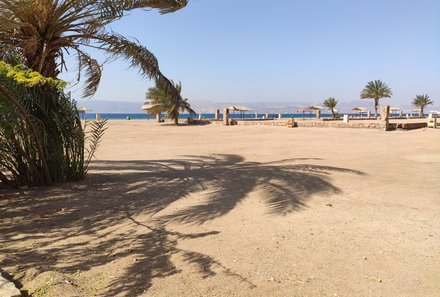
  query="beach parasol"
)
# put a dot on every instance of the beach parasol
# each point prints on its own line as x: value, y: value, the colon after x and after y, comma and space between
x: 147, y: 106
x: 310, y: 108
x: 82, y: 110
x: 396, y: 110
x: 360, y: 110
x: 239, y: 108
x: 417, y: 110
x: 303, y: 109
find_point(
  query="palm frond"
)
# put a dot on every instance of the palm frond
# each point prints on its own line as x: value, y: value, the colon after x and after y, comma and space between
x: 116, y: 9
x: 138, y: 56
x: 43, y: 31
x: 376, y: 89
x: 97, y: 130
x: 93, y: 73
x: 157, y: 109
x: 330, y: 103
x: 164, y: 101
x: 422, y: 100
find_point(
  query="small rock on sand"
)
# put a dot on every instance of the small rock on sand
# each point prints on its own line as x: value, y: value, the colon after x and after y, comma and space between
x: 8, y: 289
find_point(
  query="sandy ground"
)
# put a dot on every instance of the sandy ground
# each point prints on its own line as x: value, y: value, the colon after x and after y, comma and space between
x: 235, y: 211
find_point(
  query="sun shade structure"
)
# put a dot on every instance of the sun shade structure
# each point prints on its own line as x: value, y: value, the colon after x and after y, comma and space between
x: 418, y: 111
x: 83, y: 109
x: 310, y: 108
x: 304, y: 109
x: 360, y: 109
x: 238, y: 108
x: 241, y: 109
x: 396, y: 111
x: 147, y: 106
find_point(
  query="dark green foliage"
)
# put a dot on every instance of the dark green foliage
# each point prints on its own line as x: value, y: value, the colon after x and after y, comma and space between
x: 93, y: 137
x: 164, y: 101
x: 421, y: 101
x: 331, y: 103
x: 376, y: 90
x: 41, y: 138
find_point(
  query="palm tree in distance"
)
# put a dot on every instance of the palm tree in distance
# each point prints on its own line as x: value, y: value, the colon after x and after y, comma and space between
x: 376, y: 90
x: 163, y: 101
x: 42, y: 33
x: 331, y: 103
x: 421, y: 101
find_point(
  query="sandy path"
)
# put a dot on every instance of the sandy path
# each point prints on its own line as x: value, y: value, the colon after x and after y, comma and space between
x: 239, y: 211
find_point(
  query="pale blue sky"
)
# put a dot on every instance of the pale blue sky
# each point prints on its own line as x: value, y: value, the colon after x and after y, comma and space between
x: 285, y: 50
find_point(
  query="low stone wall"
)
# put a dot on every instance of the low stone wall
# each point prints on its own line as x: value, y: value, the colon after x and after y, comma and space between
x: 408, y: 126
x: 337, y: 124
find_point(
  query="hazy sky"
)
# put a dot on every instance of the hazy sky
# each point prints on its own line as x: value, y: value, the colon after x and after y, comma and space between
x: 285, y: 50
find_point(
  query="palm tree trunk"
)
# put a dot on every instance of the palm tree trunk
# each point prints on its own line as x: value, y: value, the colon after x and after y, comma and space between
x: 376, y: 104
x: 333, y: 113
x: 176, y: 120
x: 421, y: 111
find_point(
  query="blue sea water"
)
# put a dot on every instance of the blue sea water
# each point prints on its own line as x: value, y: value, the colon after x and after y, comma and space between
x: 143, y: 116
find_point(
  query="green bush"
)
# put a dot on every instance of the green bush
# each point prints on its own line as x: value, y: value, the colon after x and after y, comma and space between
x: 41, y: 137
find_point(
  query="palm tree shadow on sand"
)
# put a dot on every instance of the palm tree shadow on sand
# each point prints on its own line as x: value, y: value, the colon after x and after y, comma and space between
x: 123, y: 191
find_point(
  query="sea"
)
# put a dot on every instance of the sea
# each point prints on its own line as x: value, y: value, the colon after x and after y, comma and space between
x: 208, y: 116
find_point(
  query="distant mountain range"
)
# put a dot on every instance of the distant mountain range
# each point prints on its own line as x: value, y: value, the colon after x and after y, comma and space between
x: 206, y: 106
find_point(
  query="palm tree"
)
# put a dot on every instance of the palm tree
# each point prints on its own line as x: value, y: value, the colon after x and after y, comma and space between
x: 331, y: 103
x: 421, y: 101
x: 376, y: 90
x: 41, y: 33
x: 163, y: 101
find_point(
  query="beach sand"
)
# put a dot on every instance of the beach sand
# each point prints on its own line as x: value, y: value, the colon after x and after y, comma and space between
x: 235, y: 211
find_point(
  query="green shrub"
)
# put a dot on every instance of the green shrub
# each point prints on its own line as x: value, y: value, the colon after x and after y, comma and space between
x: 41, y: 137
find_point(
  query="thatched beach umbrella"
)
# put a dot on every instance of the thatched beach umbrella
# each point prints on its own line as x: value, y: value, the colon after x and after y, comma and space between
x: 417, y: 110
x: 318, y: 109
x: 360, y: 110
x: 394, y: 110
x: 304, y: 109
x: 239, y: 108
x: 147, y: 106
x: 82, y: 110
x: 310, y: 109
